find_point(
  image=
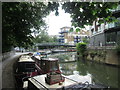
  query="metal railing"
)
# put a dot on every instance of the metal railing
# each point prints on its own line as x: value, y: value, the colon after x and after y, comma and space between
x: 101, y: 47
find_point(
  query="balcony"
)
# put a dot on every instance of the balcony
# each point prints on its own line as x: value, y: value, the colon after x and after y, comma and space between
x: 63, y: 32
x: 77, y: 37
x: 61, y: 36
x: 112, y: 25
x: 61, y: 39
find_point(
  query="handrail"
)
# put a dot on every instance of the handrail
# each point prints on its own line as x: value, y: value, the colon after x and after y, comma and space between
x: 86, y: 85
x: 72, y: 80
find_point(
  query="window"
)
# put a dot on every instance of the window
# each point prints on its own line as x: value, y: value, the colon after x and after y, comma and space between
x: 53, y: 66
x: 111, y: 38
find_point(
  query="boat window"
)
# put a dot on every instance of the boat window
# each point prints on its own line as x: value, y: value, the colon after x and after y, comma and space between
x: 26, y: 67
x: 30, y: 66
x: 53, y: 66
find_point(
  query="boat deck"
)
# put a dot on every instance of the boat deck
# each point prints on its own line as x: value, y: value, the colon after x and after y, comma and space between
x: 39, y: 82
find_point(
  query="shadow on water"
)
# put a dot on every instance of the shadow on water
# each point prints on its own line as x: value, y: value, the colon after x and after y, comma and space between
x: 100, y: 73
x: 93, y: 72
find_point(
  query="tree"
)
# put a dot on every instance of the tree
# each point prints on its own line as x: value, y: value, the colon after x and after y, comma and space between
x: 43, y: 37
x: 85, y: 13
x: 18, y: 20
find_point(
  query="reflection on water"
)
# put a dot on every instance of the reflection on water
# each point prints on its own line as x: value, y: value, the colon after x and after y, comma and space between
x: 92, y: 72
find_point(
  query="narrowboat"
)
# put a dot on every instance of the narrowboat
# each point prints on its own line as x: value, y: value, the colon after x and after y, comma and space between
x: 25, y: 68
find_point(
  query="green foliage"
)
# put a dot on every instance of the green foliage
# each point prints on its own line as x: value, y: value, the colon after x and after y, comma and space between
x: 71, y: 30
x: 77, y: 30
x: 81, y: 48
x: 84, y: 13
x: 43, y: 37
x: 18, y: 18
x: 86, y: 40
x: 93, y: 53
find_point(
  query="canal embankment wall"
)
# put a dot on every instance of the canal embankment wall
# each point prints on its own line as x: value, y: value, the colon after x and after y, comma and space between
x: 107, y: 56
x: 6, y: 55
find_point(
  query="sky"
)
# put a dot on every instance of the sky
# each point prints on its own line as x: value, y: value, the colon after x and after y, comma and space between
x: 57, y: 22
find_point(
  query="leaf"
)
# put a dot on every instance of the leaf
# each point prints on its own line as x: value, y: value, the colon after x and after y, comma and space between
x: 71, y: 30
x: 77, y: 30
x: 90, y: 11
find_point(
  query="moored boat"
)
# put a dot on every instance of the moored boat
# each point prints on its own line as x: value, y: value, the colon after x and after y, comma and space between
x: 25, y: 68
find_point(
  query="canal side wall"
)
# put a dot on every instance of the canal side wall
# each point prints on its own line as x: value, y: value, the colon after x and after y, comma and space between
x: 108, y: 56
x: 6, y: 55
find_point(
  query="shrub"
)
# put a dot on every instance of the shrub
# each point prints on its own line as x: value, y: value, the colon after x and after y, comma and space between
x: 81, y: 48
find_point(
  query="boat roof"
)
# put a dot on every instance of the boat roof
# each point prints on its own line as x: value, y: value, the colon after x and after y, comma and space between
x: 41, y: 51
x: 38, y: 57
x: 50, y: 59
x: 37, y: 80
x: 25, y: 58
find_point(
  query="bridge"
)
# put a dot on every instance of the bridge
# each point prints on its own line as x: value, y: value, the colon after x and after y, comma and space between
x: 52, y: 45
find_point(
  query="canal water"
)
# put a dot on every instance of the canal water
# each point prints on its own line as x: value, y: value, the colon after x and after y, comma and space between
x: 83, y: 70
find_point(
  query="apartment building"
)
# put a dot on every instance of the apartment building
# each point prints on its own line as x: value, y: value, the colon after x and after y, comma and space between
x: 72, y: 38
x: 106, y: 34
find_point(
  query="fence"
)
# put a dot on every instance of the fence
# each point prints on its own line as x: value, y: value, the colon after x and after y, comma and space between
x: 103, y: 47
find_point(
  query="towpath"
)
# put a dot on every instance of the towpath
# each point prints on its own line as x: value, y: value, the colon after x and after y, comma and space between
x: 6, y: 72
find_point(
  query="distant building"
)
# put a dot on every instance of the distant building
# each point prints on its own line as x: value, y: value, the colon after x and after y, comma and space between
x: 106, y: 34
x: 72, y: 38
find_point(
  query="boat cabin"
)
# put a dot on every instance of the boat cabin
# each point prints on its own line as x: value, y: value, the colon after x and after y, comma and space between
x: 25, y: 67
x: 26, y: 64
x: 46, y: 65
